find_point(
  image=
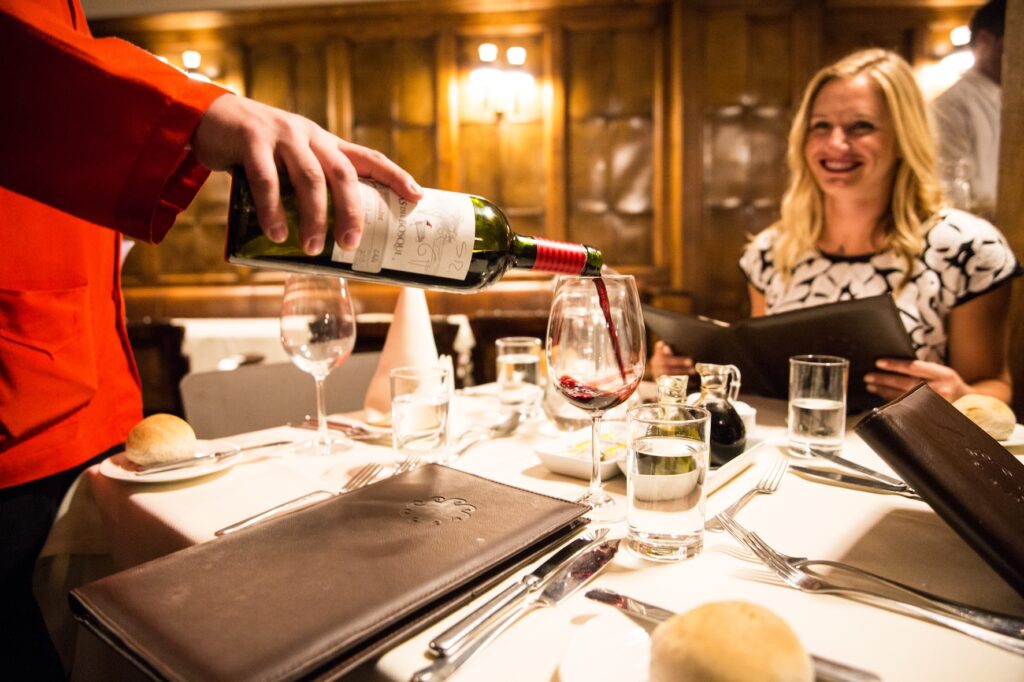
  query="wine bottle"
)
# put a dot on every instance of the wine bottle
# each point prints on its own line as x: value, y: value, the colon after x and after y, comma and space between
x: 457, y: 242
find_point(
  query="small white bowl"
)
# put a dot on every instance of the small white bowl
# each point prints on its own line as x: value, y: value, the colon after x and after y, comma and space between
x: 570, y: 455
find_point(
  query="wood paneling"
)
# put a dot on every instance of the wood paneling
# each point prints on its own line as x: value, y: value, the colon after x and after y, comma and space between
x: 657, y: 132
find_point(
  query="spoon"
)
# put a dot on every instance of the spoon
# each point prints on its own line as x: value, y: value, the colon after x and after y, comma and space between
x: 505, y: 427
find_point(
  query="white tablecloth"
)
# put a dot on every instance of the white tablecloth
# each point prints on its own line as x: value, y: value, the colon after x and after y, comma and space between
x: 895, y: 536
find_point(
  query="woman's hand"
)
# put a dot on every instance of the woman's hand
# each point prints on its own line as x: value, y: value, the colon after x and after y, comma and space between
x: 664, y: 361
x: 899, y: 376
x: 236, y: 130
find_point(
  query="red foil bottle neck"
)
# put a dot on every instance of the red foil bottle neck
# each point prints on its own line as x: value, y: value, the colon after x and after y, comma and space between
x: 560, y: 257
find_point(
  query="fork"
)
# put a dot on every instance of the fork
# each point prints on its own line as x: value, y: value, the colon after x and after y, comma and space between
x: 768, y: 484
x: 1002, y: 631
x: 364, y: 476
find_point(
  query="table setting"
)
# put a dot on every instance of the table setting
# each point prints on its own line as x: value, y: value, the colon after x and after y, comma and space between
x: 648, y: 532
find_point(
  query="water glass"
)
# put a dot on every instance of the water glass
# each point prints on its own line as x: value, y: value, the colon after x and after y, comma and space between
x: 817, y: 403
x: 520, y: 384
x: 419, y: 412
x: 666, y: 470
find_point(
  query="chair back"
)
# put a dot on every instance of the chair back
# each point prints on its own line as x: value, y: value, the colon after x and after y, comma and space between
x: 251, y: 397
x: 157, y: 348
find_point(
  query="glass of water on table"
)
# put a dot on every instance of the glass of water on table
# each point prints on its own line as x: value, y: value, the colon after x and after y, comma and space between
x: 817, y: 403
x: 666, y: 472
x: 520, y: 383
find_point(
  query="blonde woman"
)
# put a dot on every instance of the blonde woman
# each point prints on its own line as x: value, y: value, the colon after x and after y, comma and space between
x: 863, y: 215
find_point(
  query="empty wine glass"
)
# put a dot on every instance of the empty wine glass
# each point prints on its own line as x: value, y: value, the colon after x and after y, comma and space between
x: 318, y: 331
x: 595, y: 353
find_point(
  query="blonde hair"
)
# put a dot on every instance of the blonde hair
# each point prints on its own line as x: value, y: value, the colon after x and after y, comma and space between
x: 916, y: 195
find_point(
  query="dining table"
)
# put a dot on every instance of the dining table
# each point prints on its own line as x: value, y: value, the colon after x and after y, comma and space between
x: 129, y: 522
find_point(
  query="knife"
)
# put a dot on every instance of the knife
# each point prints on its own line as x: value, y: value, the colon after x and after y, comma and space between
x: 454, y: 637
x: 204, y: 459
x: 870, y: 473
x: 563, y: 583
x: 857, y: 481
x: 825, y: 670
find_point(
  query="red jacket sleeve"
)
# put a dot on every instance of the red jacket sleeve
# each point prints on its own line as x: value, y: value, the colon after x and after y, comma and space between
x: 96, y: 127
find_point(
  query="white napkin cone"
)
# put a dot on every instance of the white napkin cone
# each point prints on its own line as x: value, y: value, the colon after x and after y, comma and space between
x: 409, y: 343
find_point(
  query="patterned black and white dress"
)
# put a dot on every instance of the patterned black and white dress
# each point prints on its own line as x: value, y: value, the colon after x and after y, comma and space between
x: 964, y: 256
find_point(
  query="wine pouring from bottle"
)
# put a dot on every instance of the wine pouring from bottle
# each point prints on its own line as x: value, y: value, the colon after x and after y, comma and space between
x: 448, y: 240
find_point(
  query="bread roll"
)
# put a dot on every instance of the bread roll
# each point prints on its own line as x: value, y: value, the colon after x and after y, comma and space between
x: 728, y: 641
x: 991, y: 414
x: 160, y: 439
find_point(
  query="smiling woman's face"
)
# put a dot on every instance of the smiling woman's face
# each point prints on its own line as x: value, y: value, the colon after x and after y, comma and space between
x: 851, y: 142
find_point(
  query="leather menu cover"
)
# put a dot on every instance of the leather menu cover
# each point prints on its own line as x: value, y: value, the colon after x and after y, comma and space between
x: 312, y: 594
x: 860, y: 330
x: 965, y: 475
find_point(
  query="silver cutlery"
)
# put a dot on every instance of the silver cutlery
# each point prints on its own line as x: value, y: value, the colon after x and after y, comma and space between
x: 825, y: 669
x: 853, y: 466
x: 857, y: 481
x: 351, y: 431
x: 1002, y: 631
x: 203, y: 459
x: 505, y: 427
x: 768, y: 484
x: 563, y: 583
x: 454, y: 637
x: 364, y: 476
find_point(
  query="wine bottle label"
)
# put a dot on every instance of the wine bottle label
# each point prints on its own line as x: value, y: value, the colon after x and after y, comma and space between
x: 432, y: 237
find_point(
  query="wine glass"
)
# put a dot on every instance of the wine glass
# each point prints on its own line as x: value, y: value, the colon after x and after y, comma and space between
x: 318, y: 331
x: 595, y: 353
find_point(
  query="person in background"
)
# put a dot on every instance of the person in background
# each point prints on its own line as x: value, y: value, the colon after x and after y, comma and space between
x: 966, y: 117
x: 102, y: 139
x: 863, y: 215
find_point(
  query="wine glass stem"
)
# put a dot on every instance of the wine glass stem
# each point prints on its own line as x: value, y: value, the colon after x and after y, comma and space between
x: 595, y: 457
x: 322, y: 436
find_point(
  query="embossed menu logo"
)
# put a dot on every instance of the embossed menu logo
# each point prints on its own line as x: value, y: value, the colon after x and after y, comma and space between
x: 438, y: 510
x: 1003, y: 481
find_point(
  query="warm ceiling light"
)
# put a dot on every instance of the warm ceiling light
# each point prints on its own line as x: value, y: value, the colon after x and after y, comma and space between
x: 960, y: 36
x: 516, y: 56
x: 191, y: 59
x: 488, y: 52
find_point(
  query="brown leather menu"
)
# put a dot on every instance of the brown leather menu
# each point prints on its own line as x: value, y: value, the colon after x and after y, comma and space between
x: 312, y: 594
x: 860, y: 330
x: 967, y: 477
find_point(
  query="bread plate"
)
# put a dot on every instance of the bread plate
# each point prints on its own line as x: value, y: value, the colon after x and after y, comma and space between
x: 585, y: 658
x: 1015, y: 443
x: 119, y: 467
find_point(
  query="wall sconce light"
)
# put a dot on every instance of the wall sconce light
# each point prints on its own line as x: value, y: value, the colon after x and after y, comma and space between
x: 960, y: 36
x: 191, y: 59
x: 516, y: 56
x: 488, y: 52
x: 502, y: 90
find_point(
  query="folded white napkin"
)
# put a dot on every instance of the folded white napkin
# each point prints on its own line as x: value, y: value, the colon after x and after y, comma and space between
x: 409, y: 343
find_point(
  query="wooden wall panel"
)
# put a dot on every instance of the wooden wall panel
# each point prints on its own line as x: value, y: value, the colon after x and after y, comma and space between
x: 270, y: 76
x: 415, y: 87
x: 629, y: 144
x: 372, y: 64
x: 309, y: 84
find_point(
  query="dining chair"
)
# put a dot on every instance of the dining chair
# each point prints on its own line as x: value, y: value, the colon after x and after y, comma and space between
x: 251, y: 397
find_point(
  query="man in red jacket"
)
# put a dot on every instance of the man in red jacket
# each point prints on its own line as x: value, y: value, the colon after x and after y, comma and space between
x: 101, y: 139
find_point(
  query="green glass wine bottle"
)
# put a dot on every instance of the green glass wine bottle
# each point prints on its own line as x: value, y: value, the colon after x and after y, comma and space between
x: 457, y: 242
